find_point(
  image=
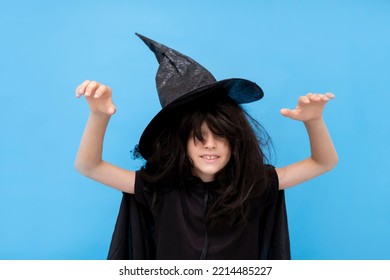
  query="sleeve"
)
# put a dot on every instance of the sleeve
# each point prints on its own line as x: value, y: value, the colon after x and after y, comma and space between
x: 273, y: 183
x: 275, y: 241
x: 133, y: 236
x: 143, y: 195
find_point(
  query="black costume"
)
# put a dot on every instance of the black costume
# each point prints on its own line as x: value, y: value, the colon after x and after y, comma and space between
x: 177, y: 231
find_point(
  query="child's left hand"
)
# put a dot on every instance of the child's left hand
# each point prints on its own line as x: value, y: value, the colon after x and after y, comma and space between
x: 309, y: 107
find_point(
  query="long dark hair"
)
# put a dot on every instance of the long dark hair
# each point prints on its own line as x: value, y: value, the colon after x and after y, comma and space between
x: 245, y: 176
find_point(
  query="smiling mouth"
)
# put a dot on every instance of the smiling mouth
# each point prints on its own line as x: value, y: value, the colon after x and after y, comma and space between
x: 210, y: 157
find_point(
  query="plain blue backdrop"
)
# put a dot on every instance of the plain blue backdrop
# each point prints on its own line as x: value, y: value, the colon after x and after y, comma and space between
x: 49, y: 211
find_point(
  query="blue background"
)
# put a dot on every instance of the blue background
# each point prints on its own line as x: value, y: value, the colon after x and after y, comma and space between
x: 49, y: 211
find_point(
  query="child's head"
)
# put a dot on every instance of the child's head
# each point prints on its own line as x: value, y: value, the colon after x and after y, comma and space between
x: 216, y: 125
x: 177, y: 150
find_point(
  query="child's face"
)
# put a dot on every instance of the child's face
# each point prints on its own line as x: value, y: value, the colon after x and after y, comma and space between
x: 208, y: 157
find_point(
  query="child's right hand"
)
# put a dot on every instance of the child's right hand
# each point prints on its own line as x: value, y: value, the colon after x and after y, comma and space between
x: 99, y: 97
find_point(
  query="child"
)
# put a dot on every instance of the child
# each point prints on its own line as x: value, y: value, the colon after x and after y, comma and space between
x: 205, y: 191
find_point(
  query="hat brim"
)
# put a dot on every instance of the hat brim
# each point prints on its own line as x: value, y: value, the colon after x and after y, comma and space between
x: 240, y: 90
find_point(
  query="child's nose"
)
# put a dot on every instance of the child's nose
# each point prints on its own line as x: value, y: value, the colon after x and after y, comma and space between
x: 210, y: 142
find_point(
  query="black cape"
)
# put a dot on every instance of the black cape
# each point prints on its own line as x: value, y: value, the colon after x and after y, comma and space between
x: 133, y: 235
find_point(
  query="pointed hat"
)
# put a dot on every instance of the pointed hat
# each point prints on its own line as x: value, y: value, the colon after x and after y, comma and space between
x: 180, y: 81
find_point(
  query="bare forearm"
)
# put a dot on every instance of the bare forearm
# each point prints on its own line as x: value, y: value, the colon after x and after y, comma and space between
x: 91, y: 146
x: 322, y: 149
x: 323, y: 154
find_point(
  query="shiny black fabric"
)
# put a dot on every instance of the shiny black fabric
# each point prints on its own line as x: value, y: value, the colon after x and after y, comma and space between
x: 177, y: 74
x: 177, y: 231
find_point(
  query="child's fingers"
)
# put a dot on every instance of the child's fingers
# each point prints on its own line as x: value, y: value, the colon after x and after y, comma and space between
x: 330, y: 95
x: 303, y: 100
x: 111, y: 109
x: 287, y: 112
x: 320, y: 97
x: 315, y: 96
x: 80, y: 90
x: 102, y: 89
x: 91, y: 88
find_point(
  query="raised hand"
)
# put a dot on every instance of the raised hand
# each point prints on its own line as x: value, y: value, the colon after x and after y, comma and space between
x: 310, y: 107
x: 99, y: 97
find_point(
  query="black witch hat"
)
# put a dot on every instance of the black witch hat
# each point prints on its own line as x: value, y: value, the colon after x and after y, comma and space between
x: 181, y: 81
